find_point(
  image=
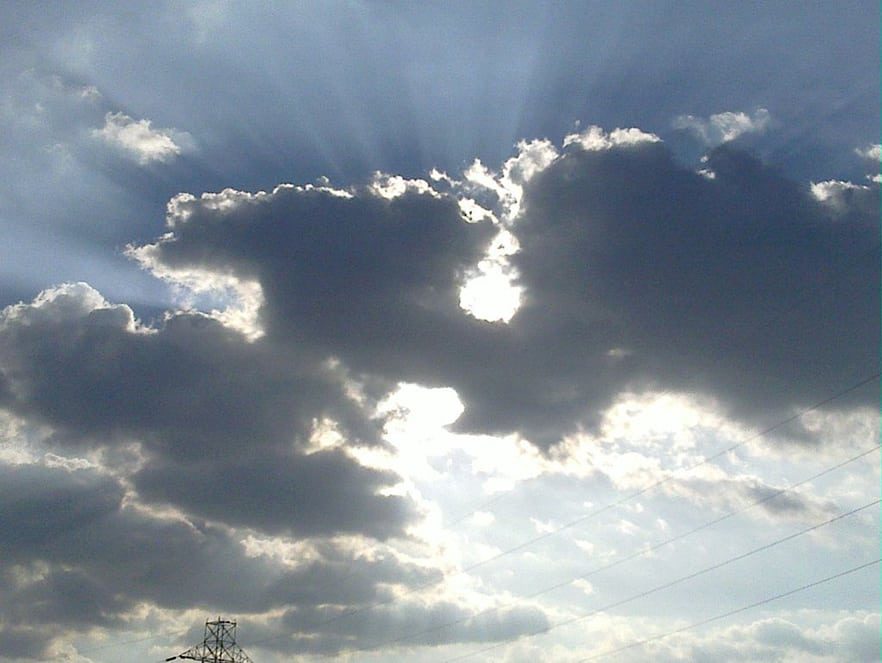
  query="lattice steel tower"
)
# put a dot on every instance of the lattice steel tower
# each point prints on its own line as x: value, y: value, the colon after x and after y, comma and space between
x: 219, y: 645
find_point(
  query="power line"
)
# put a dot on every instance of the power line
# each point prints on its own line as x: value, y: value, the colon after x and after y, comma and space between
x: 644, y: 551
x: 672, y: 583
x: 795, y: 303
x: 707, y: 459
x: 730, y: 613
x: 669, y: 477
x: 803, y: 295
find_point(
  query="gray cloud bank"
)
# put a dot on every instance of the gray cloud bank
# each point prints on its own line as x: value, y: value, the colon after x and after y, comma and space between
x: 76, y: 557
x: 741, y: 287
x: 638, y: 273
x: 206, y: 407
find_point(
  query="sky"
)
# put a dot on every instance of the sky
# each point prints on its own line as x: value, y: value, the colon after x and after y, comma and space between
x: 440, y: 331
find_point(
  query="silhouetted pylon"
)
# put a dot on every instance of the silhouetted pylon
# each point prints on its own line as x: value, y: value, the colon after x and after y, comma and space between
x: 219, y: 645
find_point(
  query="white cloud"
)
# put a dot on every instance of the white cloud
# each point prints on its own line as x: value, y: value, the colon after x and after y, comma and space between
x: 393, y: 186
x: 837, y: 637
x: 140, y: 140
x: 482, y: 518
x: 836, y: 194
x: 873, y: 152
x: 595, y: 139
x: 234, y: 302
x: 507, y: 184
x: 64, y: 301
x: 724, y: 127
x: 490, y: 292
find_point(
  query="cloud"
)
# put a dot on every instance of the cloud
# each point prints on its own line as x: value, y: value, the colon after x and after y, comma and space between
x: 852, y: 637
x: 842, y: 197
x: 708, y: 285
x: 594, y: 138
x: 721, y: 128
x: 872, y: 152
x: 140, y: 141
x: 76, y: 556
x: 199, y: 400
x: 398, y: 624
x: 320, y: 494
x: 634, y: 273
x: 730, y: 493
x: 637, y: 276
x: 371, y: 280
x: 79, y: 556
x: 631, y: 464
x: 100, y: 197
x: 204, y: 460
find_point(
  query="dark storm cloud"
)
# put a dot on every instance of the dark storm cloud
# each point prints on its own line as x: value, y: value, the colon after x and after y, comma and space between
x: 365, y: 278
x: 638, y: 273
x: 642, y: 273
x: 223, y: 422
x: 77, y: 557
x: 320, y: 494
x: 191, y: 387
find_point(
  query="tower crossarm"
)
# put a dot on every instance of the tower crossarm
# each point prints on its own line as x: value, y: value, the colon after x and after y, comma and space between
x: 218, y: 646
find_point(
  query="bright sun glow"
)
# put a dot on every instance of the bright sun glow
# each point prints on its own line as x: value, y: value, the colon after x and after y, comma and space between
x: 491, y: 296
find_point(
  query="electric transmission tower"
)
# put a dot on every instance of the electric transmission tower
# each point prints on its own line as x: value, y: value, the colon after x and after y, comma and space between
x: 219, y: 645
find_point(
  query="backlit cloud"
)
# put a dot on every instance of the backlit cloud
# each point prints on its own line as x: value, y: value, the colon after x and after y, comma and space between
x: 613, y: 262
x: 139, y: 140
x: 873, y: 152
x: 721, y: 128
x: 425, y: 332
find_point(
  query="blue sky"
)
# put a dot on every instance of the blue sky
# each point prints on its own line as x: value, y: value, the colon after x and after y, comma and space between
x: 419, y: 284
